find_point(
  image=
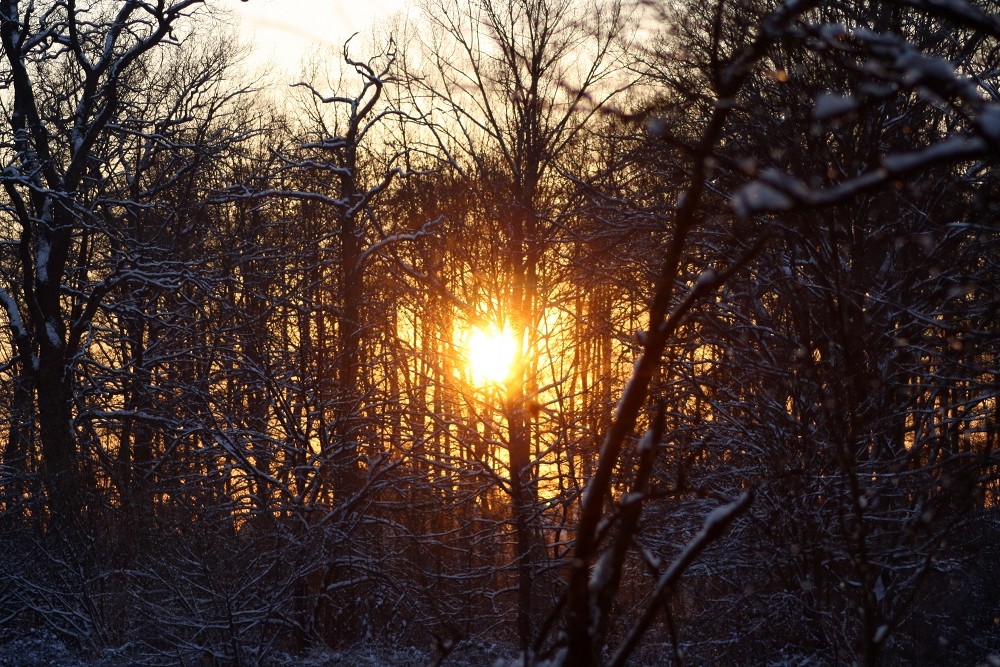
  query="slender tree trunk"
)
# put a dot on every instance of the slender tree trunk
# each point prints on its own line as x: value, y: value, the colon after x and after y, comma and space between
x: 349, y: 356
x: 522, y: 501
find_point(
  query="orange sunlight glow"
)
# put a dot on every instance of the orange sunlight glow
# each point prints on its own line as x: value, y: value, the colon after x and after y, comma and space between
x: 490, y: 353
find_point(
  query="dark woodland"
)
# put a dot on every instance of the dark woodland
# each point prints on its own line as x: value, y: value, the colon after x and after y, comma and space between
x: 562, y: 333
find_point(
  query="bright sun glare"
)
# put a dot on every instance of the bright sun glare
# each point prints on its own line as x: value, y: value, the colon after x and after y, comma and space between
x: 491, y: 353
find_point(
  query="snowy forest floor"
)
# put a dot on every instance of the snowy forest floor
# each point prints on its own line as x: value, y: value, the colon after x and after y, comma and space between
x: 41, y: 648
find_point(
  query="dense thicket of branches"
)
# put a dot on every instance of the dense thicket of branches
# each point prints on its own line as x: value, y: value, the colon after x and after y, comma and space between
x: 748, y: 257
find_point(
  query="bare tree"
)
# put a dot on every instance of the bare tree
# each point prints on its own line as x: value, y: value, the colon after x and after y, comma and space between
x: 737, y: 66
x: 68, y: 70
x: 514, y: 84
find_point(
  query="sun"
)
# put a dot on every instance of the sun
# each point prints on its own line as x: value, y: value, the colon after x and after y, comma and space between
x: 490, y: 353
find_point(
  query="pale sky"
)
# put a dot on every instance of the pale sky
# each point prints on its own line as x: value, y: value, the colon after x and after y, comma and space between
x: 289, y: 29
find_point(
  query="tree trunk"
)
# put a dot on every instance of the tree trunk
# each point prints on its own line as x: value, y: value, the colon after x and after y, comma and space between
x: 62, y: 475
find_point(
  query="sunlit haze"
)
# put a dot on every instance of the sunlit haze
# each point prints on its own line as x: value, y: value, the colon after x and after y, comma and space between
x: 285, y: 31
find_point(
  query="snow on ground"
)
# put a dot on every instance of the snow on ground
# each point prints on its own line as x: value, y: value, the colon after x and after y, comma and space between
x: 40, y: 648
